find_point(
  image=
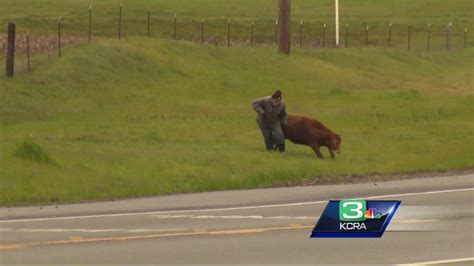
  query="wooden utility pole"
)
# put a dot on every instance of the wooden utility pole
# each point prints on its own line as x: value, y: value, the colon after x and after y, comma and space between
x: 284, y: 29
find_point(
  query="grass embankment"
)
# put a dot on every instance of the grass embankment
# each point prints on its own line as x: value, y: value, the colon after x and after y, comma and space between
x: 40, y: 18
x: 150, y: 117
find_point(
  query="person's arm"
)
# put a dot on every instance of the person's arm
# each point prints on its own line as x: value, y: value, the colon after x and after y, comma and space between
x: 257, y: 105
x: 283, y: 115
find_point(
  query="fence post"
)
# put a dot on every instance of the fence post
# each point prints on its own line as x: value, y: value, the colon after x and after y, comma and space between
x: 448, y: 36
x: 276, y: 32
x: 324, y: 35
x: 28, y: 51
x: 148, y: 21
x: 59, y: 36
x: 390, y: 34
x: 301, y: 32
x: 409, y: 37
x: 120, y: 22
x: 228, y: 32
x: 10, y: 50
x: 90, y: 23
x: 347, y: 32
x: 174, y: 30
x: 465, y: 38
x: 367, y: 35
x: 202, y: 31
x: 251, y: 38
x: 428, y: 46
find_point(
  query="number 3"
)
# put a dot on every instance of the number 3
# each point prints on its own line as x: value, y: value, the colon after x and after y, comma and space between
x: 357, y: 210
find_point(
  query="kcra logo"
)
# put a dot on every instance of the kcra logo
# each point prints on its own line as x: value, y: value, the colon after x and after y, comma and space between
x: 355, y: 218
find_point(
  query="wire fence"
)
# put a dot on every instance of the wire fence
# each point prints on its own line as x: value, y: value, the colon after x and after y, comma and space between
x: 55, y: 33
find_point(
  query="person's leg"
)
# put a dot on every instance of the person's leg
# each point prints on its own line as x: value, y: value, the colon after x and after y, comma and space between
x: 278, y: 136
x: 267, y: 134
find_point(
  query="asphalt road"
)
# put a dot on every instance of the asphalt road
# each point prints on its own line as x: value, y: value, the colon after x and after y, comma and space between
x: 266, y: 226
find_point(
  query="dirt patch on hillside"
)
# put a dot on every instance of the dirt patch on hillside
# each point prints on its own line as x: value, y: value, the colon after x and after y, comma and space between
x: 38, y: 43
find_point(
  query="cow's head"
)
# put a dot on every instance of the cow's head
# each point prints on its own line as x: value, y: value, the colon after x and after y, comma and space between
x: 336, y: 143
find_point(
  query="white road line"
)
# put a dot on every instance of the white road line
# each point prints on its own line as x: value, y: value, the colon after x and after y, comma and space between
x: 440, y: 261
x: 226, y: 209
x: 415, y: 221
x: 235, y: 217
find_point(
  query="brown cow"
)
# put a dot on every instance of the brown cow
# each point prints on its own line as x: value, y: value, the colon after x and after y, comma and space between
x: 307, y: 131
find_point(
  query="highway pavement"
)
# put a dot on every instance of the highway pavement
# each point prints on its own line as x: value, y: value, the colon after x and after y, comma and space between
x: 263, y: 226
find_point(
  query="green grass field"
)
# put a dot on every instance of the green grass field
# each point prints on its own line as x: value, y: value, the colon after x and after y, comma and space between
x: 40, y: 16
x: 151, y: 116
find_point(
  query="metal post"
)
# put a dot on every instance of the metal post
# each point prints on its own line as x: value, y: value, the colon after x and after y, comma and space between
x: 284, y: 27
x: 347, y: 33
x: 251, y: 38
x: 428, y: 46
x: 390, y: 34
x: 324, y: 35
x: 228, y: 32
x: 28, y: 51
x: 409, y: 37
x: 465, y: 38
x: 90, y: 23
x: 202, y: 31
x: 10, y: 50
x: 367, y: 35
x: 59, y: 37
x: 174, y: 31
x: 148, y: 22
x: 301, y: 32
x: 120, y: 22
x: 276, y: 32
x: 448, y: 36
x: 337, y: 22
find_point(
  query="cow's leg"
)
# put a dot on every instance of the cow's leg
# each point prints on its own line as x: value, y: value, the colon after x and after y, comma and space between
x: 315, y: 148
x: 332, y: 153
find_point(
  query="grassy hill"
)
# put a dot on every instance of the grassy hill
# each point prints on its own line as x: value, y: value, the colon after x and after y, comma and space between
x: 148, y: 116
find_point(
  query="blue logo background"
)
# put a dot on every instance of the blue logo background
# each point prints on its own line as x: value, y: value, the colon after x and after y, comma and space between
x: 328, y: 224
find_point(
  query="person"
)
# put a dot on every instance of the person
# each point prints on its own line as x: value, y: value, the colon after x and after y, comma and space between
x: 271, y: 114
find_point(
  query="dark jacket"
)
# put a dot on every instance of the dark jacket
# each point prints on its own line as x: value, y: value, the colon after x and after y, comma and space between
x: 268, y: 113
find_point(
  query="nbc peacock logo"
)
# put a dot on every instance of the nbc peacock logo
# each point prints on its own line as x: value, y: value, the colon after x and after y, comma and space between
x: 372, y: 213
